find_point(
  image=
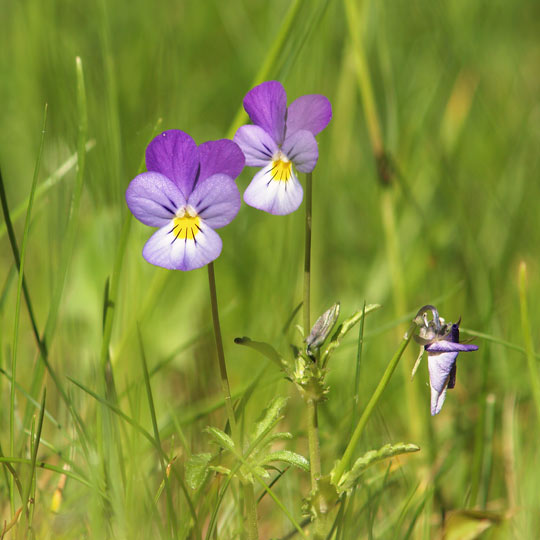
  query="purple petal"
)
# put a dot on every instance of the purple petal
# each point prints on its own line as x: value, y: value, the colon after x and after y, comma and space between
x: 274, y: 196
x: 153, y: 199
x: 174, y: 154
x: 301, y: 148
x: 256, y: 144
x: 217, y: 200
x: 266, y: 105
x: 448, y: 346
x: 220, y: 157
x: 312, y: 112
x: 440, y: 367
x: 165, y: 250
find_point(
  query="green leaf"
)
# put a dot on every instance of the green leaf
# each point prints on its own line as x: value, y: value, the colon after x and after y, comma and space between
x: 282, y: 436
x: 469, y: 524
x: 263, y: 348
x: 197, y: 469
x: 288, y: 457
x: 220, y: 438
x: 343, y: 329
x: 350, y: 478
x: 220, y: 469
x: 269, y: 418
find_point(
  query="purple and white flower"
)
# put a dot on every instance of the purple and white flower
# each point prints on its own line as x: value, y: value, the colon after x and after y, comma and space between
x: 279, y: 138
x: 187, y: 192
x: 441, y: 342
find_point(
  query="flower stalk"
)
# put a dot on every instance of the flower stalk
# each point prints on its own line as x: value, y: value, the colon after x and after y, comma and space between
x: 313, y: 427
x: 249, y: 497
x: 225, y: 387
x: 307, y: 254
x: 251, y: 510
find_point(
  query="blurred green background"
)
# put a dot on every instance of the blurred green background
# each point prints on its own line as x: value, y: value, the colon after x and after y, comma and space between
x: 456, y: 87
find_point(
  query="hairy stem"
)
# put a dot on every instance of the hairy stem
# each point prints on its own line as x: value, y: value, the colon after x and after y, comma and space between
x: 251, y: 510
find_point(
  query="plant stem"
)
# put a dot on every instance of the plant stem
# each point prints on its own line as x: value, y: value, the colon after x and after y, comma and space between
x: 313, y: 441
x: 249, y: 497
x: 313, y: 429
x: 347, y: 455
x: 307, y: 255
x: 251, y: 510
x: 221, y: 355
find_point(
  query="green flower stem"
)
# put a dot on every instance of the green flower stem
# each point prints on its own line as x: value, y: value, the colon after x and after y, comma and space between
x: 347, y: 455
x: 307, y: 255
x: 225, y: 387
x: 313, y: 442
x: 527, y: 338
x: 251, y: 510
x: 249, y: 497
x: 313, y: 429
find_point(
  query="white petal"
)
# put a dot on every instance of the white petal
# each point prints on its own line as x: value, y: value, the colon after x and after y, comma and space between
x: 278, y: 197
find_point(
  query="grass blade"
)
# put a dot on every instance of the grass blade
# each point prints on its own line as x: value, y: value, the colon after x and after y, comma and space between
x: 527, y: 338
x: 47, y: 184
x: 24, y: 246
x: 35, y: 446
x: 68, y: 243
x: 170, y: 509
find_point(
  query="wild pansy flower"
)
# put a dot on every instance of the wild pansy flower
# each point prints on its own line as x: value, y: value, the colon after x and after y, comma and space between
x: 187, y: 192
x: 279, y: 138
x: 441, y: 342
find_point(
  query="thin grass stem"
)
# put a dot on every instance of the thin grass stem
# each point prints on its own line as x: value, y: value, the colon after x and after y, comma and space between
x: 35, y: 439
x: 163, y: 461
x: 527, y: 338
x: 347, y: 455
x: 271, y: 59
x: 24, y: 245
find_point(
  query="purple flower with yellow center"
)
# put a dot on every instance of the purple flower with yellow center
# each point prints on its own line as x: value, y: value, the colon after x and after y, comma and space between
x: 281, y: 137
x: 187, y: 192
x: 441, y: 342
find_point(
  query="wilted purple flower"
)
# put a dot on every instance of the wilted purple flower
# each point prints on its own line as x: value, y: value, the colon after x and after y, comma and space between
x: 188, y: 192
x: 441, y: 342
x: 280, y: 138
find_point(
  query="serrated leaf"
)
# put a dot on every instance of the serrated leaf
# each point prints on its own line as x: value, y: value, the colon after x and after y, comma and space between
x: 344, y: 328
x: 263, y: 348
x: 221, y: 438
x: 269, y: 418
x: 197, y: 469
x: 288, y: 457
x: 350, y: 478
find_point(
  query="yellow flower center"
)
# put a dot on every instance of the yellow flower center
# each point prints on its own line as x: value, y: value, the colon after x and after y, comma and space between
x: 281, y: 168
x: 186, y: 224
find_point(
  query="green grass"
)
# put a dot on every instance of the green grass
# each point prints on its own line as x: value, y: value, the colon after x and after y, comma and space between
x: 125, y: 350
